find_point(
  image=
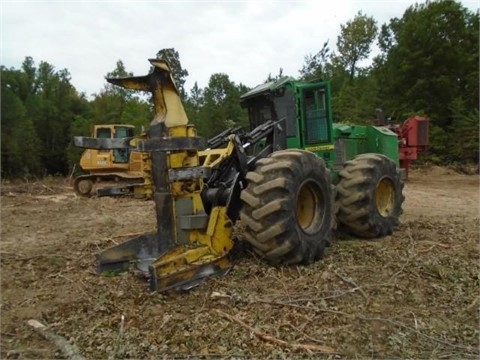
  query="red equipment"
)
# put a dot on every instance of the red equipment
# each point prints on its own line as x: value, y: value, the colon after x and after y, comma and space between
x: 413, y: 139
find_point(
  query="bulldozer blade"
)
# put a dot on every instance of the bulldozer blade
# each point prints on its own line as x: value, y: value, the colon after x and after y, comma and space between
x: 141, y: 251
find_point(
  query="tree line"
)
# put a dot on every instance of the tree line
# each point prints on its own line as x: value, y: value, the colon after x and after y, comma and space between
x: 426, y: 63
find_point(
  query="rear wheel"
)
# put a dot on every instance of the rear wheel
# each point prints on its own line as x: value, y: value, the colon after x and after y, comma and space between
x: 370, y: 195
x: 287, y: 207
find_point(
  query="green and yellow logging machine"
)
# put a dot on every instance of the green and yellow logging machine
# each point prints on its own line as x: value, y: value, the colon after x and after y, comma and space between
x: 290, y: 179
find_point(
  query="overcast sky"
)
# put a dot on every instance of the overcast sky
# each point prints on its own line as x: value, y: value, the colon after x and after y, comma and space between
x: 245, y: 39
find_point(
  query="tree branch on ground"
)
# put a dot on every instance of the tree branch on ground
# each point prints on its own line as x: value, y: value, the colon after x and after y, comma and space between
x: 274, y: 340
x: 68, y: 350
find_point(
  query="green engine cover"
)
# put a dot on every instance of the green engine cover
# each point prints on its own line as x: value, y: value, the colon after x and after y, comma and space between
x: 351, y: 140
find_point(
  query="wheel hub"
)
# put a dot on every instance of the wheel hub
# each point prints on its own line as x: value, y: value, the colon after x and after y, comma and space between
x: 385, y: 197
x: 308, y: 207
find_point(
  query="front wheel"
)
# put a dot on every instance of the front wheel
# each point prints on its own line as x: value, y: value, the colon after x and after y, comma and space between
x: 369, y: 195
x: 287, y: 207
x: 83, y: 185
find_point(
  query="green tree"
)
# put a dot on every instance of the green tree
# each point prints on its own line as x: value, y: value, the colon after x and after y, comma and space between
x: 179, y: 74
x: 221, y: 106
x: 38, y: 108
x: 355, y: 42
x: 113, y: 90
x: 463, y: 143
x: 355, y: 102
x: 19, y: 143
x: 116, y: 105
x: 194, y: 104
x: 81, y: 126
x: 429, y: 64
x: 276, y: 77
x: 316, y: 66
x: 52, y: 104
x: 354, y: 94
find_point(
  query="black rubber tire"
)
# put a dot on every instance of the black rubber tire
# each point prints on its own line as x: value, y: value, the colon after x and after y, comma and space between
x: 277, y: 227
x: 370, y: 196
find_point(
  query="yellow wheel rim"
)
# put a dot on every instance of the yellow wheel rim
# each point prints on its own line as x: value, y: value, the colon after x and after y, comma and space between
x: 385, y: 197
x: 308, y: 207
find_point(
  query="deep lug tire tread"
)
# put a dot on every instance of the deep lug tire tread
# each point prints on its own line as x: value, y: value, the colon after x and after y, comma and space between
x: 269, y: 208
x: 357, y: 211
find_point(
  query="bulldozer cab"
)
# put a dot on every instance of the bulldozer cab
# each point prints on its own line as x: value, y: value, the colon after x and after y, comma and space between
x: 305, y: 108
x: 120, y: 156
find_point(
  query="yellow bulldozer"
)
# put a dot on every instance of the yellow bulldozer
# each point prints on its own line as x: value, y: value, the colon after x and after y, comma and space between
x: 113, y: 171
x: 290, y: 179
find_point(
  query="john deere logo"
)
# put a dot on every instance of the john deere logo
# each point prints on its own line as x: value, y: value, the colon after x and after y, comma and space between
x: 320, y: 148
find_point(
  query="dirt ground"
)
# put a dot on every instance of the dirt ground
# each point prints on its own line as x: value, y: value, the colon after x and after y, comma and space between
x: 414, y: 294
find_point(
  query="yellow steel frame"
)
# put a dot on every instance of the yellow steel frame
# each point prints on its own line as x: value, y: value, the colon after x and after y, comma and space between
x: 205, y: 247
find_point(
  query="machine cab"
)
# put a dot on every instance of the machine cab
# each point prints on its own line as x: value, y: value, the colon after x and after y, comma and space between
x: 115, y: 132
x: 93, y: 159
x: 305, y: 108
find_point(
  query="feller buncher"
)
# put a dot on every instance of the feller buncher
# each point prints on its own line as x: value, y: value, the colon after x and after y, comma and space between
x: 289, y: 179
x: 112, y: 172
